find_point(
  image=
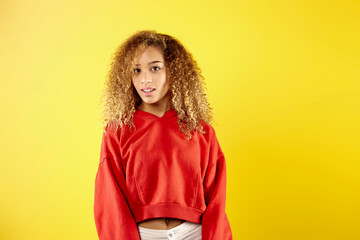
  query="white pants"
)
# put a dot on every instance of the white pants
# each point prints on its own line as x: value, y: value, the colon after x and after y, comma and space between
x: 185, y: 231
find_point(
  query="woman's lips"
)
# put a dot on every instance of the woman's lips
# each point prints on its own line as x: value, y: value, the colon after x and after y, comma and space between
x: 148, y: 93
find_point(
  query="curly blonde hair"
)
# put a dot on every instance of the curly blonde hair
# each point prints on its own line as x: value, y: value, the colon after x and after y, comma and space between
x: 186, y: 83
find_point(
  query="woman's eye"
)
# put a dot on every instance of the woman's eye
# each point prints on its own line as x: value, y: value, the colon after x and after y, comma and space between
x: 157, y: 68
x: 136, y: 70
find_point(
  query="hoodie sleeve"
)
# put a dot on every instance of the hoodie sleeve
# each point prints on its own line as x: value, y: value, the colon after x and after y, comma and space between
x: 215, y: 224
x: 113, y: 217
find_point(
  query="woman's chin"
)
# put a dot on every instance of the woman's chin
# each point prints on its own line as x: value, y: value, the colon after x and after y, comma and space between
x: 148, y: 101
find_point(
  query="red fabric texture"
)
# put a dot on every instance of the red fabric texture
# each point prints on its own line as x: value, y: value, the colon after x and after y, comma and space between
x: 153, y: 171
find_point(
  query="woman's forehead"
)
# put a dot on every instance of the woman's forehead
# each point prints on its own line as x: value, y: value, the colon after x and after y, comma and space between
x: 149, y: 53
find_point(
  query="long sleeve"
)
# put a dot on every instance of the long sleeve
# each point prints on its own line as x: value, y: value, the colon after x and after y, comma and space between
x: 113, y: 217
x: 215, y: 224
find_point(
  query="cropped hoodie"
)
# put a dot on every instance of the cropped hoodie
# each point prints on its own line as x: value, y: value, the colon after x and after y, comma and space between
x: 153, y: 171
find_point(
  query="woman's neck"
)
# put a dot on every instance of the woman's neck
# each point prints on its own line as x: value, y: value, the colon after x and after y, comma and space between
x: 158, y: 109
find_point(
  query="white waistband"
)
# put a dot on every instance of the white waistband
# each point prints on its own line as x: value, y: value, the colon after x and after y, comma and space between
x: 185, y: 229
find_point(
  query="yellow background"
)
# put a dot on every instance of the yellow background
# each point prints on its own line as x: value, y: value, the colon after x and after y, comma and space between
x: 282, y: 77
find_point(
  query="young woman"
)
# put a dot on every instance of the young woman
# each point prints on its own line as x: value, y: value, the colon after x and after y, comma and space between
x: 162, y: 174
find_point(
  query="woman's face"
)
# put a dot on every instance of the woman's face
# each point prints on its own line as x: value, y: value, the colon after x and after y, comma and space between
x: 149, y: 77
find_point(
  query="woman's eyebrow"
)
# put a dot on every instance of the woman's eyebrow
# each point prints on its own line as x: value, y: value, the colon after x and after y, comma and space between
x: 149, y: 63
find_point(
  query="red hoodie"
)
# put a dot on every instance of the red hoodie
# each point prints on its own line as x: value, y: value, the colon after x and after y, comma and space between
x: 153, y: 171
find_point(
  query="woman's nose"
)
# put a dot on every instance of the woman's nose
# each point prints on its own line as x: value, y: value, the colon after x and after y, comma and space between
x: 145, y: 77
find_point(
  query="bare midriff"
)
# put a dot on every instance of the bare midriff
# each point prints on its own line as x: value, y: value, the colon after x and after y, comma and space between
x: 160, y: 223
